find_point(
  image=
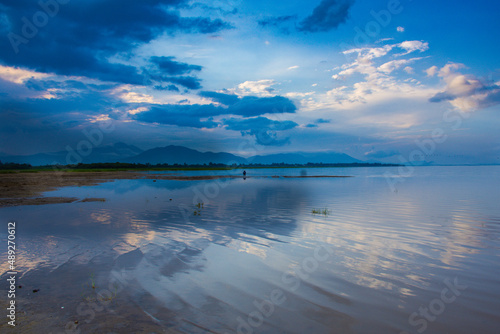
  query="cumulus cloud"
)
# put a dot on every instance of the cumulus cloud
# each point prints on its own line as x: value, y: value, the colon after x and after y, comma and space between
x: 432, y: 71
x: 400, y: 29
x: 328, y: 15
x: 464, y: 91
x: 260, y: 88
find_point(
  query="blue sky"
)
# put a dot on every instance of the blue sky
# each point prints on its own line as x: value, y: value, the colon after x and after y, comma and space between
x: 380, y: 80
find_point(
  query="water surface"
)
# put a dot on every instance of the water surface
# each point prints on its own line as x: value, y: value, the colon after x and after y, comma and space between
x: 398, y: 251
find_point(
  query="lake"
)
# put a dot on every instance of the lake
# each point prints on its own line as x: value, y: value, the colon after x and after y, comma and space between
x: 388, y: 250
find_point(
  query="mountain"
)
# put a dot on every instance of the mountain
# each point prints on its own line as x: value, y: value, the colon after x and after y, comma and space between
x: 121, y: 152
x: 303, y: 158
x: 180, y: 155
x: 117, y: 152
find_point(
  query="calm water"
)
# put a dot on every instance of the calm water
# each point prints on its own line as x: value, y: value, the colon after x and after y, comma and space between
x: 417, y: 252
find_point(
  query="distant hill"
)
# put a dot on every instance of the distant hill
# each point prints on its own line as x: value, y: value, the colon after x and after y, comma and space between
x: 106, y: 153
x: 172, y: 154
x: 180, y: 155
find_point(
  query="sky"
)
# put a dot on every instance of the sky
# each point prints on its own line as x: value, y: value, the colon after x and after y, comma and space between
x: 388, y: 80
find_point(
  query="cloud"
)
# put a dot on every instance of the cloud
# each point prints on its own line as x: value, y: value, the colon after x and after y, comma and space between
x: 226, y: 99
x: 432, y: 71
x: 412, y: 46
x: 180, y: 115
x: 328, y: 15
x: 172, y: 88
x: 400, y: 29
x: 201, y: 115
x: 264, y: 129
x: 293, y: 67
x: 260, y: 88
x: 82, y: 38
x: 276, y: 21
x: 466, y: 92
x: 188, y: 82
x: 409, y: 70
x: 393, y: 65
x: 169, y: 66
x: 381, y: 154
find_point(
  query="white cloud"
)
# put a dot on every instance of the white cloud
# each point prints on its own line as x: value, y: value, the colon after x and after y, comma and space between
x: 392, y: 65
x: 464, y: 91
x: 400, y: 29
x: 411, y: 46
x: 372, y: 53
x: 432, y: 71
x: 294, y: 95
x: 19, y: 75
x: 409, y: 70
x: 259, y: 88
x: 293, y: 67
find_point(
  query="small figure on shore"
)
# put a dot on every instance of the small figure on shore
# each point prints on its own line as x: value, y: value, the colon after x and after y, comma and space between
x: 244, y: 173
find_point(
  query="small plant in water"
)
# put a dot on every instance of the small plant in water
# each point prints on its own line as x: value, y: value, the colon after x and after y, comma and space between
x: 199, y: 206
x: 320, y: 212
x: 92, y: 281
x: 93, y: 295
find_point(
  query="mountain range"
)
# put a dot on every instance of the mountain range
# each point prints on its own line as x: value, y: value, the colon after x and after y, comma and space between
x: 121, y: 152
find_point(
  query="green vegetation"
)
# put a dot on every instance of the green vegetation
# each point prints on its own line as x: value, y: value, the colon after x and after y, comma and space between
x: 93, y: 295
x: 198, y: 211
x: 14, y: 166
x: 119, y: 166
x: 324, y: 212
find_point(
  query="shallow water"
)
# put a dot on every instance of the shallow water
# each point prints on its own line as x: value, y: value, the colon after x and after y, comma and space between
x: 398, y: 250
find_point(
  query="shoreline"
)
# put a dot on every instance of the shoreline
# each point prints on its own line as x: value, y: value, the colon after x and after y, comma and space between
x: 18, y: 189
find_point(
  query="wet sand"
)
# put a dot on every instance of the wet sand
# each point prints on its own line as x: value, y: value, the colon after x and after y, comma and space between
x: 27, y: 188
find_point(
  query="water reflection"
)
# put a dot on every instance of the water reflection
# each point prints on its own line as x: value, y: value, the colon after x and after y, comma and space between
x: 191, y: 268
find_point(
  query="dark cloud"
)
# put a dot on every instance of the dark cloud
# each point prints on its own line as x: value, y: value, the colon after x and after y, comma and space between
x: 276, y: 21
x: 191, y: 115
x: 328, y: 15
x: 311, y: 125
x: 252, y: 105
x: 78, y: 38
x: 188, y: 82
x: 264, y: 129
x: 180, y: 115
x: 226, y: 99
x: 172, y: 88
x: 169, y: 66
x: 322, y: 121
x: 442, y: 96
